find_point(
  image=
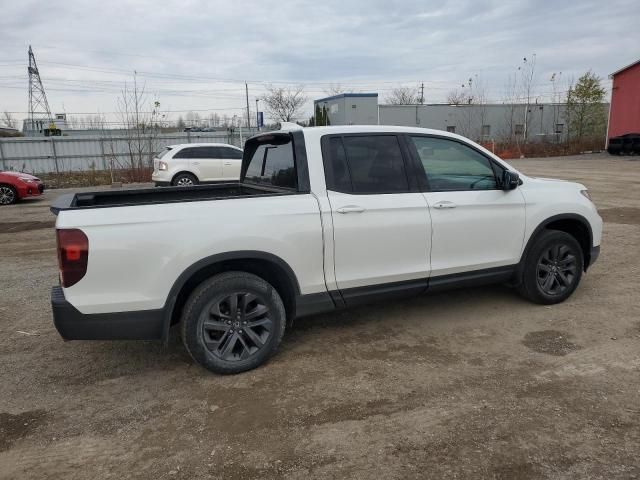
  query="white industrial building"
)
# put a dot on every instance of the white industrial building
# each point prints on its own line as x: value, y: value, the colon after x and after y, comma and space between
x: 480, y: 122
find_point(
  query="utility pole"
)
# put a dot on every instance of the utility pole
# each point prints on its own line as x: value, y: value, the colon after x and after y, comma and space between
x: 422, y: 94
x: 246, y: 89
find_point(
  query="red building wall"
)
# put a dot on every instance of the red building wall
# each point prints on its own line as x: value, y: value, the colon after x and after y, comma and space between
x: 625, y: 102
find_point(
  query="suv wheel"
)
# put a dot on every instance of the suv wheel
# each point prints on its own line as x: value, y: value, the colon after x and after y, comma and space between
x: 184, y: 180
x: 233, y: 322
x: 8, y: 195
x: 553, y: 268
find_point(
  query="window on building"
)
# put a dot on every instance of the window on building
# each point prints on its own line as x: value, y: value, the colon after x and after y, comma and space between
x: 486, y: 130
x: 519, y: 129
x: 353, y: 106
x: 559, y: 127
x: 366, y: 164
x: 451, y: 128
x: 452, y: 166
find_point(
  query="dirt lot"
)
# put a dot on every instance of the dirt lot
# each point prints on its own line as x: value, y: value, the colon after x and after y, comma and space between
x: 467, y: 384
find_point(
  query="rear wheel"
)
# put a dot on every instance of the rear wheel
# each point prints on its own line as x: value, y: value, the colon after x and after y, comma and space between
x: 233, y: 322
x: 8, y: 195
x: 553, y: 268
x: 184, y: 180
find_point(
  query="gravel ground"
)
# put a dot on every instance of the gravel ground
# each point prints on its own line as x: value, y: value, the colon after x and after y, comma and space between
x: 473, y: 383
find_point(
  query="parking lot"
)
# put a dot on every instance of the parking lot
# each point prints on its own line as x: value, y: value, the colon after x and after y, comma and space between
x: 471, y: 383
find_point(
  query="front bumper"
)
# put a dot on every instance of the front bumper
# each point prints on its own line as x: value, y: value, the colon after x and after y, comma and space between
x: 593, y: 256
x: 30, y: 190
x: 74, y: 325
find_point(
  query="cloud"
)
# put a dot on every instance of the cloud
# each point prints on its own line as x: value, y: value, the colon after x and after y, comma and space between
x: 186, y: 49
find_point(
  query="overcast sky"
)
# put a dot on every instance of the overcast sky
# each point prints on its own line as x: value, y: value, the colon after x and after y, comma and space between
x: 196, y: 55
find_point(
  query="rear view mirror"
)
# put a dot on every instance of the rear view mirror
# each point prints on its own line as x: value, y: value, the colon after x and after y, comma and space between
x: 510, y: 180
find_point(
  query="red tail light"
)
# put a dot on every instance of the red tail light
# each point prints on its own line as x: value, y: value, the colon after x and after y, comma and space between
x: 73, y: 253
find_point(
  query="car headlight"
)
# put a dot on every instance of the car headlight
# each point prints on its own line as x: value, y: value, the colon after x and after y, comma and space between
x: 162, y: 166
x: 585, y: 193
x: 26, y: 179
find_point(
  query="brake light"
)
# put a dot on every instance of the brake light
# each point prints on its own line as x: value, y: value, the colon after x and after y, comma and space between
x: 73, y: 254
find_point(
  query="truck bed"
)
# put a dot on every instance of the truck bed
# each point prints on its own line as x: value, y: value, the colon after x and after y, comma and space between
x: 151, y: 196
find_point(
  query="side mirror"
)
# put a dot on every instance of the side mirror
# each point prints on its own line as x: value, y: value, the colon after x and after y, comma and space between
x: 510, y: 180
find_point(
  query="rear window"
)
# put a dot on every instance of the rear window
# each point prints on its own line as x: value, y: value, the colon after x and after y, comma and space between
x: 272, y: 164
x: 164, y: 152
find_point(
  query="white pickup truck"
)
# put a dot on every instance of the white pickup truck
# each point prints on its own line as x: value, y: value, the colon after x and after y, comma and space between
x: 322, y: 218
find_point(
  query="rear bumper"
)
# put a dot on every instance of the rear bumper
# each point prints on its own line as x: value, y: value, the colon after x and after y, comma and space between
x: 74, y: 325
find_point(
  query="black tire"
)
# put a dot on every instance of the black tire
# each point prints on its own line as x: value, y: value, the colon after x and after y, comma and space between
x: 553, y: 268
x: 209, y: 324
x: 8, y: 194
x: 184, y: 180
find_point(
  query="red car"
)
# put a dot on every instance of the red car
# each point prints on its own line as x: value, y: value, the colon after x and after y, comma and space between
x: 15, y: 186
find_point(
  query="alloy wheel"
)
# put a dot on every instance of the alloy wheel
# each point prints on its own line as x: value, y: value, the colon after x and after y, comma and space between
x: 185, y: 182
x: 7, y: 196
x: 557, y: 269
x: 236, y: 326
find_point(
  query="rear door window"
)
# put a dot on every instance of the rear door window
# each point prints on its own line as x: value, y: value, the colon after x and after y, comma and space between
x: 189, y: 152
x: 366, y: 164
x: 229, y: 153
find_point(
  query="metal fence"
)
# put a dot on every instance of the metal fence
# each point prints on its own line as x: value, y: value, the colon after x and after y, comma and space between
x: 100, y: 152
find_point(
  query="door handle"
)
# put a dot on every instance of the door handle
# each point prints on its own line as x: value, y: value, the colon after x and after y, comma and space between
x: 444, y: 204
x: 196, y: 163
x: 350, y: 209
x: 228, y: 163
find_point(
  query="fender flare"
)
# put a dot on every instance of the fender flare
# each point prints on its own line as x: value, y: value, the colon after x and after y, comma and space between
x: 542, y: 225
x: 184, y: 277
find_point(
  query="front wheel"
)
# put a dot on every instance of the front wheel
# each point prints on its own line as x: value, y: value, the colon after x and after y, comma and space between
x: 8, y: 195
x: 233, y: 322
x: 553, y: 268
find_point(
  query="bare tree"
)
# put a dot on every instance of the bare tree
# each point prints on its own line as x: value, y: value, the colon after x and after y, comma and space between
x: 457, y: 97
x: 284, y: 104
x: 557, y: 99
x: 527, y: 76
x: 8, y: 120
x: 334, y: 89
x: 141, y: 119
x: 403, y: 96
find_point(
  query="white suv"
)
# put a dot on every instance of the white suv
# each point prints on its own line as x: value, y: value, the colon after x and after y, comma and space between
x: 193, y: 163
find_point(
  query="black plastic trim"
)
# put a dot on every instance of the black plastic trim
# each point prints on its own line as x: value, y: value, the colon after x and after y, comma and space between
x: 386, y: 291
x: 473, y: 278
x: 212, y: 260
x: 593, y: 256
x: 313, y: 303
x: 543, y: 225
x: 302, y: 163
x: 74, y: 325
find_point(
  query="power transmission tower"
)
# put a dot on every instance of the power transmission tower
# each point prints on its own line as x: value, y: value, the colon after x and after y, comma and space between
x: 39, y: 112
x: 422, y: 94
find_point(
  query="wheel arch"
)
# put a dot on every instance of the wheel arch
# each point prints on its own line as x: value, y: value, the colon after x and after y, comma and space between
x: 572, y: 223
x: 267, y: 266
x: 180, y: 172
